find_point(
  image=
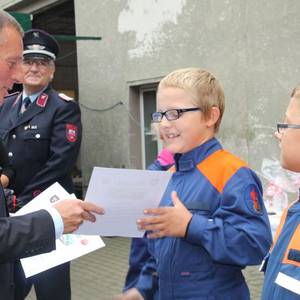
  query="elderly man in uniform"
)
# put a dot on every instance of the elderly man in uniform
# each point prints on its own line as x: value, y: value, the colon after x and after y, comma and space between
x: 41, y: 130
x: 33, y: 233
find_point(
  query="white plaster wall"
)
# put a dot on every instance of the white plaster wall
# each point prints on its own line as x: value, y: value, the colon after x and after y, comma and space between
x: 252, y: 46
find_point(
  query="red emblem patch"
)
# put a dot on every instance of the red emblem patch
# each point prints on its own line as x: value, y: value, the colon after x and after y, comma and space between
x: 255, y: 201
x: 42, y: 100
x: 71, y: 132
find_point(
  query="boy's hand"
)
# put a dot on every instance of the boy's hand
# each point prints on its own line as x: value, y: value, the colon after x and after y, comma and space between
x: 131, y: 294
x: 167, y: 221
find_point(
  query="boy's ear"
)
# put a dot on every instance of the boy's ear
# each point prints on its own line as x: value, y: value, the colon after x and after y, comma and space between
x: 213, y: 116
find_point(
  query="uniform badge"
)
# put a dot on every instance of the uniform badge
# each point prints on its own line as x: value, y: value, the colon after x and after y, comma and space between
x: 253, y: 200
x: 71, y: 132
x: 42, y: 100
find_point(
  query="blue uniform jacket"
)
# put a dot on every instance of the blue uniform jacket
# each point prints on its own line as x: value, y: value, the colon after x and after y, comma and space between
x: 42, y: 143
x: 282, y: 276
x: 228, y: 231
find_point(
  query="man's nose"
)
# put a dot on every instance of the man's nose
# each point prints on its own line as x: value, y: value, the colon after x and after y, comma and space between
x: 17, y: 74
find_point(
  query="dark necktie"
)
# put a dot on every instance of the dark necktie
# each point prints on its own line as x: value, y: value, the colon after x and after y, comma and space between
x: 25, y: 104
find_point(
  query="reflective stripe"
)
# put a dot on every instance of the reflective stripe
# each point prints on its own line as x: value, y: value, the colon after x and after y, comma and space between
x: 288, y: 282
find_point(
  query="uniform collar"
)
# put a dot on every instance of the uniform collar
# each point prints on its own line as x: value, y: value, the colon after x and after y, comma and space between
x: 189, y: 160
x: 34, y: 96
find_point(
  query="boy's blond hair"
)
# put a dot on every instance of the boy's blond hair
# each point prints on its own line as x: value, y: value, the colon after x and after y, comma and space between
x: 203, y: 86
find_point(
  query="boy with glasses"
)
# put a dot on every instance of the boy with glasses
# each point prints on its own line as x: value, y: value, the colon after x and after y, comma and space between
x: 282, y: 265
x: 211, y: 222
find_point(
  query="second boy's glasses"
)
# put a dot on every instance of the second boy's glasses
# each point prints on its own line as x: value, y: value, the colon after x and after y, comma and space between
x: 282, y: 126
x: 171, y: 114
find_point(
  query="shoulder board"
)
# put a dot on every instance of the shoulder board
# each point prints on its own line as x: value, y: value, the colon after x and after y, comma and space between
x: 65, y: 97
x: 12, y: 94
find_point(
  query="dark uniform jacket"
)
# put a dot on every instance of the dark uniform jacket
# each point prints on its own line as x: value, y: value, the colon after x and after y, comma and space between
x: 42, y: 143
x: 21, y: 236
x: 5, y: 164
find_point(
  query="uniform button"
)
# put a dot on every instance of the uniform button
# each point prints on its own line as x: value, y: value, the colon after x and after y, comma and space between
x: 14, y: 136
x: 37, y: 135
x: 10, y: 154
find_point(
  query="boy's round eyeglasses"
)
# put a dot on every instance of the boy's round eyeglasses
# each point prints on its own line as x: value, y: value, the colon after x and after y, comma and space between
x: 171, y: 114
x: 282, y: 126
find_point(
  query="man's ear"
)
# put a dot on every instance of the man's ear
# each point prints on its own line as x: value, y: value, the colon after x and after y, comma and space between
x: 213, y: 116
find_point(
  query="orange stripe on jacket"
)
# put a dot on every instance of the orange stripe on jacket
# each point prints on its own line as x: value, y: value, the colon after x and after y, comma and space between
x: 280, y: 226
x: 295, y: 245
x: 219, y: 167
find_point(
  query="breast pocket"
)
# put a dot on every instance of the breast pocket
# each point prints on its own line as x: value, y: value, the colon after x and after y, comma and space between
x: 198, y: 207
x: 37, y: 143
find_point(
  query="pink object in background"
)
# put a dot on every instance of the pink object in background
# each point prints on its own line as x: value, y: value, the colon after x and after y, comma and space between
x: 165, y: 157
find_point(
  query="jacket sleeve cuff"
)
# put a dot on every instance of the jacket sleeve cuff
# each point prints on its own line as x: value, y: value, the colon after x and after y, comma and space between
x: 196, y: 229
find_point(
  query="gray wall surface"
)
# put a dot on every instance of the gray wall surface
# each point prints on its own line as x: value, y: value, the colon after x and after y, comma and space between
x: 251, y: 46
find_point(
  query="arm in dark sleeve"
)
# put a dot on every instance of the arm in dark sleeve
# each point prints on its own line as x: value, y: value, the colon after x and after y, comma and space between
x: 63, y: 152
x: 25, y: 235
x: 4, y: 163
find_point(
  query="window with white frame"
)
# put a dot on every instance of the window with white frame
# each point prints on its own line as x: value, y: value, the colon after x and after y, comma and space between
x: 150, y: 143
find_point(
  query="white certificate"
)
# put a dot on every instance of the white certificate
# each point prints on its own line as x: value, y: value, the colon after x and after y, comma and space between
x: 68, y: 246
x: 124, y: 194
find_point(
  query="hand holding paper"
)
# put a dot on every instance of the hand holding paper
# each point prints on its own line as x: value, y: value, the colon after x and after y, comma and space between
x: 166, y: 221
x: 124, y: 194
x: 68, y: 246
x: 74, y: 212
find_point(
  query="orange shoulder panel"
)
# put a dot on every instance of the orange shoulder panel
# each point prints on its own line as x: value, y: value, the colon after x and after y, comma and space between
x: 294, y: 244
x: 219, y: 167
x: 282, y: 222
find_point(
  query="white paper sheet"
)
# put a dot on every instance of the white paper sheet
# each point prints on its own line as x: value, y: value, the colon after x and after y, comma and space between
x: 124, y: 194
x: 68, y: 247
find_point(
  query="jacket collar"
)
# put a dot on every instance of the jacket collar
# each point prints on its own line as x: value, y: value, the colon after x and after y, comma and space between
x: 189, y: 160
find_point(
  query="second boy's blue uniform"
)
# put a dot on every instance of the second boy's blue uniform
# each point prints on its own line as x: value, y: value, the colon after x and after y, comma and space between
x: 228, y: 231
x: 282, y: 278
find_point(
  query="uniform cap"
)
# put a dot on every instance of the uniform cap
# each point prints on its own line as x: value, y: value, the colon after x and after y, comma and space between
x: 40, y: 44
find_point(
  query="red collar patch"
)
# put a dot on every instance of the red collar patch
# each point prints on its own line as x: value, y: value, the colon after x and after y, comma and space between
x: 42, y: 100
x: 71, y: 132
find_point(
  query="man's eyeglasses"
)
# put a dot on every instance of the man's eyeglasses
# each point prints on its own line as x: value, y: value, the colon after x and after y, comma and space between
x: 282, y: 126
x: 38, y: 62
x: 171, y: 114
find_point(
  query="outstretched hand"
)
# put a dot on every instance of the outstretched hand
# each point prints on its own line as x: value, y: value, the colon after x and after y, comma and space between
x: 166, y: 221
x: 74, y: 212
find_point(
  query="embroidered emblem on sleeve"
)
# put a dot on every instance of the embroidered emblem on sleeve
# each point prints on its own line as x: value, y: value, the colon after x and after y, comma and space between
x: 71, y: 132
x: 254, y: 200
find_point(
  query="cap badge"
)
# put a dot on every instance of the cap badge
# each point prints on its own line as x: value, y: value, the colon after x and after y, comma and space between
x: 36, y: 47
x: 36, y: 34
